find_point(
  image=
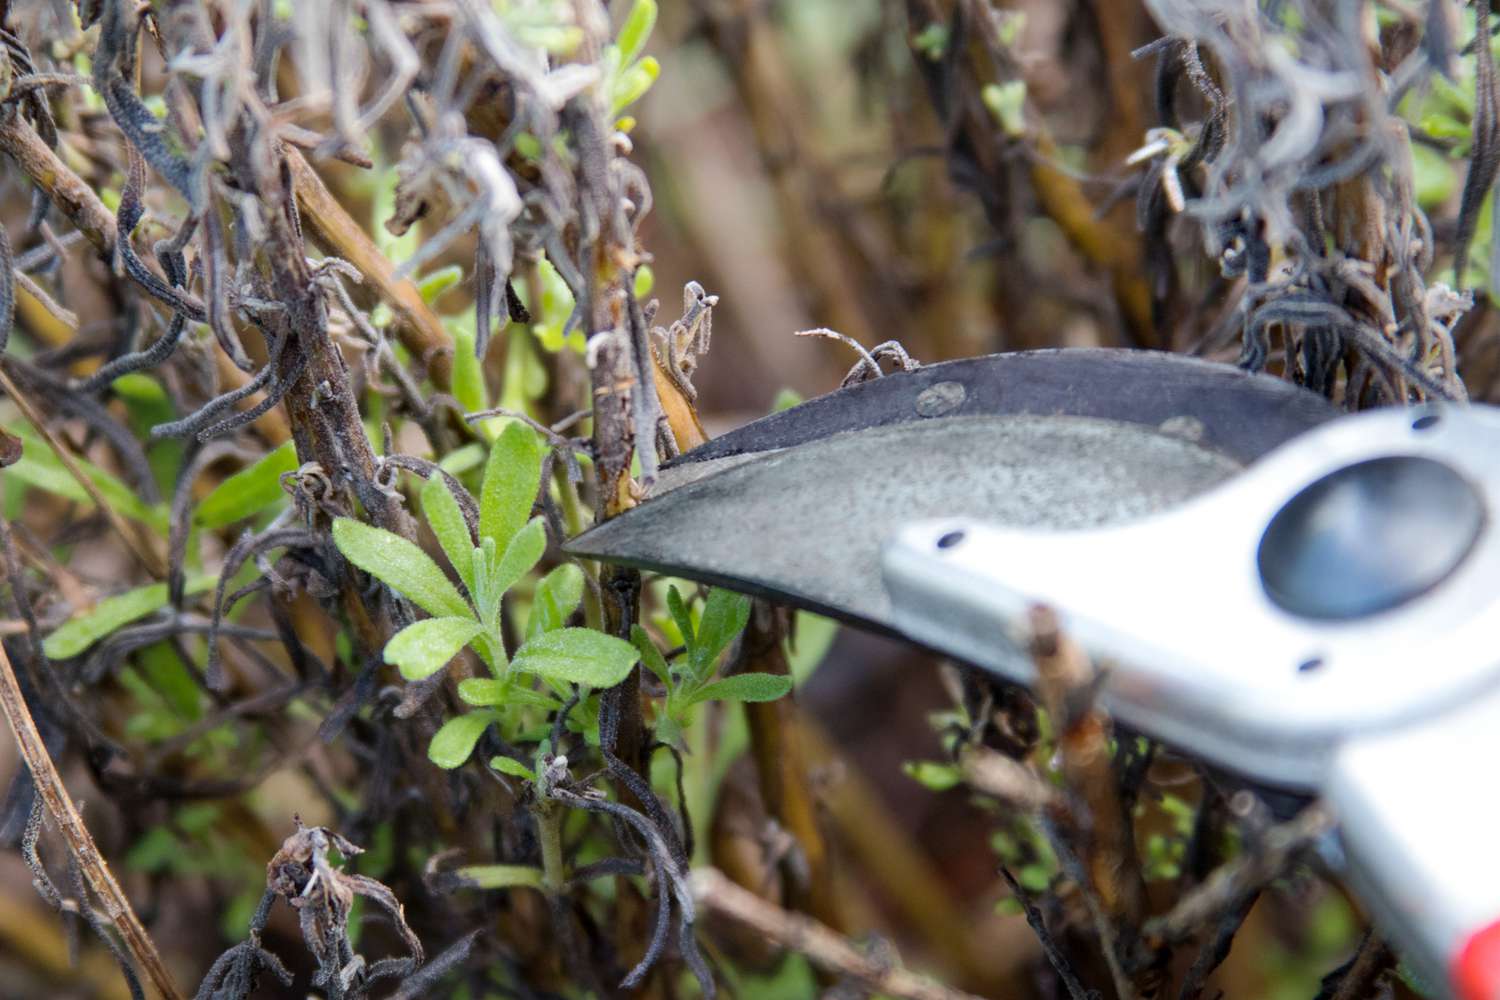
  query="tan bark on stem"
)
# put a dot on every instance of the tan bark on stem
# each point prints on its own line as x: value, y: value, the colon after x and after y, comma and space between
x: 420, y: 330
x: 96, y: 873
x: 825, y: 947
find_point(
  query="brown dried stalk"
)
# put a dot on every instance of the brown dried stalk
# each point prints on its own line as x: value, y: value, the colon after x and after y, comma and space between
x: 826, y: 948
x: 1256, y: 867
x: 781, y: 765
x: 1103, y: 837
x: 1008, y: 780
x: 95, y: 871
x: 420, y: 329
x: 151, y: 558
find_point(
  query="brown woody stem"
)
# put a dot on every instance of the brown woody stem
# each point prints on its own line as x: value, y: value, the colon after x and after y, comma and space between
x: 60, y: 807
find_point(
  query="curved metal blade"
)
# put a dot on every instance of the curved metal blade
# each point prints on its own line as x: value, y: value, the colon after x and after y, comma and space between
x: 1240, y: 415
x: 1049, y: 440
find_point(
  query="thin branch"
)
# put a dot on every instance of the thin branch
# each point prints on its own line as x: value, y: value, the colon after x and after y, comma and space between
x: 824, y: 947
x: 152, y: 560
x: 96, y: 872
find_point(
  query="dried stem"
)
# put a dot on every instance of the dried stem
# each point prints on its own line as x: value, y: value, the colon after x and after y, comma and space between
x: 1261, y: 863
x: 1067, y: 683
x: 420, y: 330
x: 826, y: 948
x: 60, y: 807
x: 152, y: 559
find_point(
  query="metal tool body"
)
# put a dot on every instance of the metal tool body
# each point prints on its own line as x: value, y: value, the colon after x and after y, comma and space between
x: 1321, y: 620
x: 796, y: 506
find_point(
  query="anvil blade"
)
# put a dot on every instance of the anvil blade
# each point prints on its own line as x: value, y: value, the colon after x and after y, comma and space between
x: 797, y: 505
x: 1242, y: 415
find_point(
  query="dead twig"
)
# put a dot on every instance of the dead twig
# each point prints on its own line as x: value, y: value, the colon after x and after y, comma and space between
x: 826, y: 948
x: 152, y: 560
x: 60, y: 807
x: 1263, y: 862
x: 420, y: 329
x: 1113, y: 882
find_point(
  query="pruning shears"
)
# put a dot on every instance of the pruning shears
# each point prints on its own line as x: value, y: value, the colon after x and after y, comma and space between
x: 1304, y: 598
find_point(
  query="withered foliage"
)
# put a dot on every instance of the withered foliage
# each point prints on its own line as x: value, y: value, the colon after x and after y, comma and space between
x: 189, y: 291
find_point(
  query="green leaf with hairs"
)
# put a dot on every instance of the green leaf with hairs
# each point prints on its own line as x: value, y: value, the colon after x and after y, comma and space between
x: 483, y: 692
x: 454, y: 743
x: 680, y: 616
x: 521, y: 555
x: 446, y: 519
x: 512, y: 767
x: 577, y: 656
x: 248, y: 491
x: 725, y: 615
x: 744, y: 687
x: 650, y: 655
x: 511, y: 479
x: 400, y: 565
x: 425, y: 647
x: 557, y: 595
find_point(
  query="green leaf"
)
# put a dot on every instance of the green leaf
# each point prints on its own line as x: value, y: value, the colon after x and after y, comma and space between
x: 557, y: 595
x: 744, y: 687
x: 501, y: 876
x: 680, y: 615
x: 400, y: 565
x: 512, y: 767
x: 932, y: 41
x: 425, y: 647
x: 669, y: 731
x: 650, y: 655
x: 937, y: 776
x: 39, y: 466
x: 141, y: 388
x: 635, y: 30
x: 631, y: 85
x: 484, y: 691
x: 157, y: 851
x: 725, y: 615
x: 578, y: 656
x: 1434, y: 179
x: 785, y: 400
x: 552, y: 314
x: 439, y: 281
x: 536, y: 699
x: 78, y: 634
x: 511, y: 479
x: 1007, y: 102
x: 248, y: 491
x: 1034, y: 878
x: 446, y: 519
x: 454, y: 743
x: 645, y: 278
x: 171, y: 679
x: 468, y: 374
x: 521, y: 555
x: 461, y: 460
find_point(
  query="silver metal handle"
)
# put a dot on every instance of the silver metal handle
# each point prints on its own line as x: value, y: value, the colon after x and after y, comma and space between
x: 1419, y: 809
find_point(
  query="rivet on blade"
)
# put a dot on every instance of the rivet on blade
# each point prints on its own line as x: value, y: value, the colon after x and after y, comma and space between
x: 940, y: 399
